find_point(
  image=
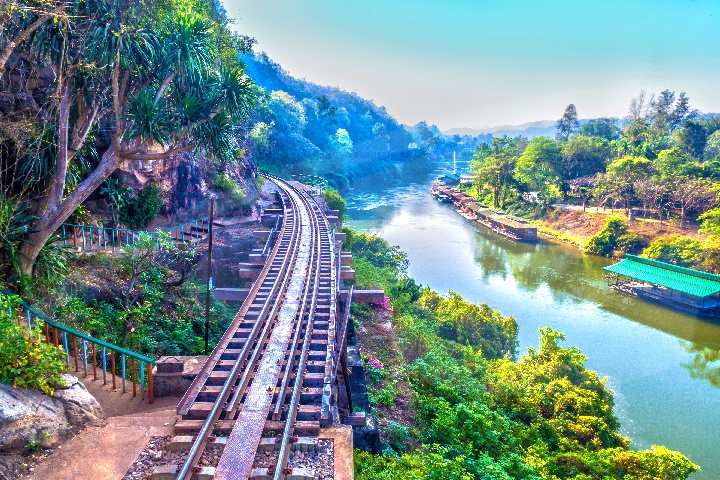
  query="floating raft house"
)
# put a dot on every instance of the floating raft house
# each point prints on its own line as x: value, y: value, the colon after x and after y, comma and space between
x: 506, y: 225
x: 680, y: 287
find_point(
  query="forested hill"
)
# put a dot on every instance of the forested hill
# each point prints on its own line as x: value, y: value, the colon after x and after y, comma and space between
x: 302, y: 127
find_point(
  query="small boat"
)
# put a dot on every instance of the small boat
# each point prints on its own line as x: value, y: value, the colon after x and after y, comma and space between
x: 444, y: 198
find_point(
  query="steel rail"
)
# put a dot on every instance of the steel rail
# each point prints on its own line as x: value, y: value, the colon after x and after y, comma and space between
x: 284, y: 453
x: 191, y: 394
x: 185, y: 472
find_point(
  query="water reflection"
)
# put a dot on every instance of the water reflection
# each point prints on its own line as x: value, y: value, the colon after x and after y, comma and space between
x: 662, y: 364
x: 705, y: 363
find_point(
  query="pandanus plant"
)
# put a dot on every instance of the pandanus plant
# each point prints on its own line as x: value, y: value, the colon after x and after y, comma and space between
x: 135, y: 78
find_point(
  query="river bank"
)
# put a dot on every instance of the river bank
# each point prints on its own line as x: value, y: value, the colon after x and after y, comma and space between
x: 575, y: 227
x: 655, y: 359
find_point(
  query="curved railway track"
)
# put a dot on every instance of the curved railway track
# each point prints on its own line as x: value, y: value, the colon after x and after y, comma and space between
x: 272, y: 370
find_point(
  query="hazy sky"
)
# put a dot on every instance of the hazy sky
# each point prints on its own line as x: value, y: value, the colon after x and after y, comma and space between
x: 474, y: 63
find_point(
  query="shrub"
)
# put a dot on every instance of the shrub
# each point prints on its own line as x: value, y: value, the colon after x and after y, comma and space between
x: 612, y: 238
x: 16, y: 222
x: 334, y: 201
x: 138, y: 212
x: 25, y: 359
x: 224, y: 183
x: 682, y: 251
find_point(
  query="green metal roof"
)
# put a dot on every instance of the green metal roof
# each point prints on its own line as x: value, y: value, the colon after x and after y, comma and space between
x: 686, y: 280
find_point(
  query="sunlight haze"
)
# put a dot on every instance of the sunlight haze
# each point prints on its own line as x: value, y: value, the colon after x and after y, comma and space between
x: 478, y: 63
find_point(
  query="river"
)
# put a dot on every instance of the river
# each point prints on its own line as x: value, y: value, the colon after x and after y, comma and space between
x: 661, y: 364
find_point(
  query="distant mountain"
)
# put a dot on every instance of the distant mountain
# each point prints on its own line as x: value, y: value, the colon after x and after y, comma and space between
x: 531, y: 129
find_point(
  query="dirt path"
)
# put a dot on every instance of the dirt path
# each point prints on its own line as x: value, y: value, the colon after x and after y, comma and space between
x: 105, y: 453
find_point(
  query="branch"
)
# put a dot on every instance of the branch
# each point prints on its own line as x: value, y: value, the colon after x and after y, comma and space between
x: 162, y: 88
x: 61, y: 158
x: 135, y: 155
x: 5, y: 54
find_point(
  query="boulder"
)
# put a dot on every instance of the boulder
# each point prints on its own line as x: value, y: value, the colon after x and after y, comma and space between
x: 28, y: 416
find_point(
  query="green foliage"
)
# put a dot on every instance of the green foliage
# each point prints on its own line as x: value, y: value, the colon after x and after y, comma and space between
x: 612, y: 238
x: 16, y: 222
x: 223, y: 182
x: 494, y: 167
x: 138, y: 212
x: 682, y: 251
x: 479, y: 413
x: 117, y: 195
x: 334, y: 201
x: 25, y: 359
x: 710, y: 222
x: 540, y: 167
x: 377, y: 251
x: 151, y: 308
x: 469, y: 324
x: 568, y: 124
x: 584, y: 155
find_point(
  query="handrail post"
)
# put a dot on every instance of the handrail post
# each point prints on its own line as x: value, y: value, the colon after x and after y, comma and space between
x: 112, y: 365
x: 85, y: 362
x: 132, y: 375
x: 142, y: 381
x: 122, y: 365
x: 75, y: 353
x: 92, y: 346
x: 151, y: 394
x: 74, y: 237
x: 104, y: 365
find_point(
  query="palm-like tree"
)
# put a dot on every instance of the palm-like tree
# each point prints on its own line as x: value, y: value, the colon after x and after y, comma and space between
x: 133, y: 77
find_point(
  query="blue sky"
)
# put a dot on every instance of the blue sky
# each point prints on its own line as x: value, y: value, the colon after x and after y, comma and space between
x: 484, y: 63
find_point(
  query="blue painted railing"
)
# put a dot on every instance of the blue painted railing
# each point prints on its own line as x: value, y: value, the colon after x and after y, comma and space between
x: 85, y: 352
x: 91, y: 237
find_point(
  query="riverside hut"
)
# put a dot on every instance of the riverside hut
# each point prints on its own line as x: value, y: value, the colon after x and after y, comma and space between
x: 678, y: 287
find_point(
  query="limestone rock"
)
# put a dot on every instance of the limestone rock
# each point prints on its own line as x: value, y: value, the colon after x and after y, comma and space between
x: 30, y: 416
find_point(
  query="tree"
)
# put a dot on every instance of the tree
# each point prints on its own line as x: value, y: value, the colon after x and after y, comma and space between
x: 651, y: 191
x: 540, y: 167
x: 693, y: 139
x: 606, y: 128
x: 667, y: 114
x: 625, y: 171
x: 150, y: 77
x: 19, y: 20
x: 710, y: 222
x: 712, y: 145
x: 583, y: 156
x: 640, y: 107
x: 673, y: 163
x: 495, y: 166
x: 692, y: 194
x: 568, y: 124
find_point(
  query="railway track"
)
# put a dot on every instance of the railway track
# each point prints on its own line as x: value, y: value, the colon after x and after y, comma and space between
x: 272, y: 371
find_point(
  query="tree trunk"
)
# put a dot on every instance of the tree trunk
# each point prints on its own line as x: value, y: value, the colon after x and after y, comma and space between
x: 56, y: 212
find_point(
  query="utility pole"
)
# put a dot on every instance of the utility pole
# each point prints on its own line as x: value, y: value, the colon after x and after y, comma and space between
x: 209, y: 273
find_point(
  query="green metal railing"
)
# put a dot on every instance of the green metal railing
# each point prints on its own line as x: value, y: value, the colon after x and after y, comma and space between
x: 91, y: 237
x: 86, y: 352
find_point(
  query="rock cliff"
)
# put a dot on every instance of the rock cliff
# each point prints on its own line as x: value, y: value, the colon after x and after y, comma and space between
x: 29, y: 418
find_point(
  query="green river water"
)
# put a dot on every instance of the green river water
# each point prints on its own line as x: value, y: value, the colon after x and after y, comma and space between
x: 662, y: 365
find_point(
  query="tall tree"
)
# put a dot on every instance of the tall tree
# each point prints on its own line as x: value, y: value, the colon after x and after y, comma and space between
x: 20, y: 19
x: 495, y: 167
x: 584, y: 156
x: 568, y: 124
x: 623, y: 173
x: 693, y: 138
x: 540, y: 167
x: 606, y: 128
x: 151, y: 81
